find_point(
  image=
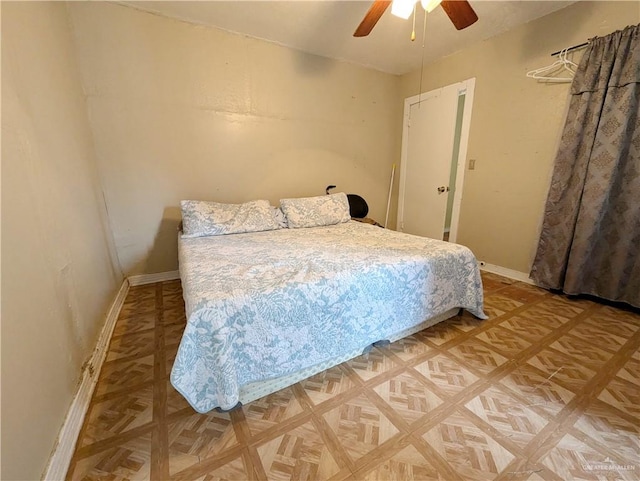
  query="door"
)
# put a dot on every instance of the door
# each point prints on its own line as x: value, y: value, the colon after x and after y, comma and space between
x: 433, y: 151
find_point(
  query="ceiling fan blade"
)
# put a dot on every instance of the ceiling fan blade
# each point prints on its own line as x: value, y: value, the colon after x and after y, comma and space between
x: 371, y: 18
x: 460, y: 13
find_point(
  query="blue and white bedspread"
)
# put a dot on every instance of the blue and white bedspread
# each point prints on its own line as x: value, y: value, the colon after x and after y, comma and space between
x: 265, y: 304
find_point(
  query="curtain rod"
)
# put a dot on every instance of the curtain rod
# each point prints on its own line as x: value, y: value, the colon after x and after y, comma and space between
x: 575, y: 47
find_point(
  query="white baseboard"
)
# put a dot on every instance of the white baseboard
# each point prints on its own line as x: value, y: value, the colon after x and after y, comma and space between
x: 151, y: 278
x: 68, y: 436
x: 510, y: 273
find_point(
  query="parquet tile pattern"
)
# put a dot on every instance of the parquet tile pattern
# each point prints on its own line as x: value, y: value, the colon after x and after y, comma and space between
x: 360, y: 426
x: 117, y: 415
x: 409, y: 398
x: 473, y: 453
x: 327, y: 384
x: 198, y: 437
x: 547, y: 388
x: 515, y: 422
x: 406, y: 464
x: 299, y: 454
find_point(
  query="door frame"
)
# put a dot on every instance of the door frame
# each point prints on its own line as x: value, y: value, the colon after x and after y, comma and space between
x: 467, y: 87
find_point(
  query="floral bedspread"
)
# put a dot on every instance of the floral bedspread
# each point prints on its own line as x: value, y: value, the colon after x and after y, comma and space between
x: 265, y: 304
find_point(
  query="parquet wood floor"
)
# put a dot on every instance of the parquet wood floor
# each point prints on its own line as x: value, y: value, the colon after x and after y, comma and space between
x: 548, y: 388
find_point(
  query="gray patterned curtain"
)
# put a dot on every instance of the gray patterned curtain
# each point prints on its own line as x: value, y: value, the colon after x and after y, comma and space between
x: 590, y: 239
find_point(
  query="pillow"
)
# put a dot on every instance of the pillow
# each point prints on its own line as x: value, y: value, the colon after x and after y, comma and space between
x: 201, y: 218
x: 316, y: 211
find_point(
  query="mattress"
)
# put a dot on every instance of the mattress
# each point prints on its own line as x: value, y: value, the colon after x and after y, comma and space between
x: 269, y: 304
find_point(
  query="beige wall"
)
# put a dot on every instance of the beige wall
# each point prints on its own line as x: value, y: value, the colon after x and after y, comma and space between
x: 516, y: 125
x: 183, y: 111
x: 57, y: 276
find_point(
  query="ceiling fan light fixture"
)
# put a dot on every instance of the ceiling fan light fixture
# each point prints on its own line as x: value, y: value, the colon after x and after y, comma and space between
x: 459, y: 12
x: 402, y: 8
x: 429, y: 5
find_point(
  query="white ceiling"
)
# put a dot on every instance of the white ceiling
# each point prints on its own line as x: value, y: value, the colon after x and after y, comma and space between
x: 325, y: 27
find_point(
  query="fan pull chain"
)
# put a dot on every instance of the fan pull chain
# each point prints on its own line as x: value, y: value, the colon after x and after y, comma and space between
x: 424, y: 35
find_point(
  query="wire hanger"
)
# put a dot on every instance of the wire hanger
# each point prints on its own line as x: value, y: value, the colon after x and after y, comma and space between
x: 561, y: 66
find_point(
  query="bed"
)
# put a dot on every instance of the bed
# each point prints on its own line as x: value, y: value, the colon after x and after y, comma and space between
x: 266, y: 309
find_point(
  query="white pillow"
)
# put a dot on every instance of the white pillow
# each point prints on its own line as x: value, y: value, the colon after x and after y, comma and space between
x: 201, y: 218
x: 316, y: 211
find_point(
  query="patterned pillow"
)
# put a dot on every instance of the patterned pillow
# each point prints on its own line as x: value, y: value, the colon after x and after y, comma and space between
x: 201, y: 218
x: 316, y: 211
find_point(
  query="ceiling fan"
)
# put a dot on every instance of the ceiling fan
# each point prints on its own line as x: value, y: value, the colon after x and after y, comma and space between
x: 459, y: 11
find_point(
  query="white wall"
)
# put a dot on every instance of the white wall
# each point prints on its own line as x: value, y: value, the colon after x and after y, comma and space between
x: 516, y: 125
x: 58, y: 278
x: 183, y: 111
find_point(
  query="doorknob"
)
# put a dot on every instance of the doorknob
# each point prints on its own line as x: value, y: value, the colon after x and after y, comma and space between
x: 443, y: 189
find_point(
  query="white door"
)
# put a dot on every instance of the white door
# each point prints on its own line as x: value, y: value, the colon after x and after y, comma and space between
x: 427, y: 153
